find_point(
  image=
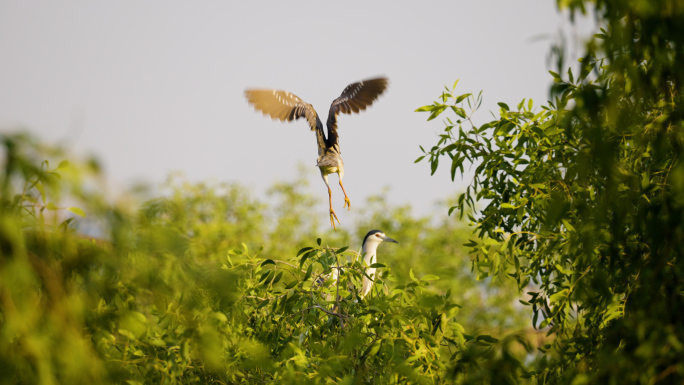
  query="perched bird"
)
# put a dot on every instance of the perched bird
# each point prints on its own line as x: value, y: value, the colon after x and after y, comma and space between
x: 369, y: 252
x: 285, y: 106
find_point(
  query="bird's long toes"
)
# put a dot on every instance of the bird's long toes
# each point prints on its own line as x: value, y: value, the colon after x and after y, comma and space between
x: 333, y: 217
x: 347, y: 204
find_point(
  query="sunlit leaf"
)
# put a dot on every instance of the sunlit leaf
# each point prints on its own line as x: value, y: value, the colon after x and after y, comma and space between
x: 77, y: 211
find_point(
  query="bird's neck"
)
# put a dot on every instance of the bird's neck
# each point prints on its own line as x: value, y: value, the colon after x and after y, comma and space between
x: 368, y: 251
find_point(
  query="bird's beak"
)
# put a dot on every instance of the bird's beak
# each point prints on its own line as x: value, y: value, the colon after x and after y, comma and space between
x: 388, y: 239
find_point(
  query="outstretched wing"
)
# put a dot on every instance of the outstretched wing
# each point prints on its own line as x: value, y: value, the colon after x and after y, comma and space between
x: 355, y: 97
x: 285, y: 106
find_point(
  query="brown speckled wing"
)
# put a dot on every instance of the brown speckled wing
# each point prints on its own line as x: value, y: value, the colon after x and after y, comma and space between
x: 285, y: 106
x: 355, y: 97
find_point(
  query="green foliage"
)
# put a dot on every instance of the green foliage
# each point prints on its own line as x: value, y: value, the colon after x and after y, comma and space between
x: 207, y: 284
x: 435, y: 247
x: 329, y: 332
x: 583, y: 199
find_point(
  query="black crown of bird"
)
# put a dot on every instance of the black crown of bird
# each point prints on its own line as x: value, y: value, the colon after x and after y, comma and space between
x: 369, y: 252
x: 285, y: 106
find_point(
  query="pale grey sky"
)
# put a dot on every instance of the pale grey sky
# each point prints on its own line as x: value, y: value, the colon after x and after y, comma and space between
x: 156, y: 86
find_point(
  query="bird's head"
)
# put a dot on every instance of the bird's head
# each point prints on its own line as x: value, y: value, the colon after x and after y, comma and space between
x: 377, y: 237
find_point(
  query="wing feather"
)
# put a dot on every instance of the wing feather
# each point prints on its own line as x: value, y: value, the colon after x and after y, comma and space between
x: 356, y: 97
x: 285, y: 106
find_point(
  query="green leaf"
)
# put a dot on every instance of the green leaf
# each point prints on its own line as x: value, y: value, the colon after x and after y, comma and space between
x: 303, y: 250
x: 471, y: 243
x: 645, y: 180
x: 568, y: 225
x: 306, y: 256
x: 127, y: 334
x: 41, y: 189
x: 454, y: 165
x: 372, y: 350
x: 504, y: 106
x: 433, y: 166
x: 267, y: 262
x: 429, y: 277
x: 77, y: 211
x: 437, y: 111
x: 277, y: 278
x: 377, y: 265
x: 581, y: 379
x: 220, y: 316
x: 265, y: 277
x: 460, y: 98
x: 486, y: 338
x: 563, y: 270
x: 425, y: 108
x: 263, y: 303
x: 558, y: 297
x: 308, y: 273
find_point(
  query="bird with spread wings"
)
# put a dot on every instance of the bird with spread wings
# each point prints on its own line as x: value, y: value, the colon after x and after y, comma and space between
x: 285, y: 106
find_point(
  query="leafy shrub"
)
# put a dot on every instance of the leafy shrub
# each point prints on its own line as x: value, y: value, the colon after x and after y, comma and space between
x: 206, y: 284
x: 582, y: 199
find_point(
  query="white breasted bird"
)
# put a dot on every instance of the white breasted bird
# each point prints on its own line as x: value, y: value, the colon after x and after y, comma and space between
x: 369, y: 252
x: 285, y: 106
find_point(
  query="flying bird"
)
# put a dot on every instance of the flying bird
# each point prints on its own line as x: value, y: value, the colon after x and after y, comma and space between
x: 285, y: 106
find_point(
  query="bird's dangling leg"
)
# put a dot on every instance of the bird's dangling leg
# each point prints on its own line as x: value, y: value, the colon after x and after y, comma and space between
x: 333, y: 216
x: 347, y: 204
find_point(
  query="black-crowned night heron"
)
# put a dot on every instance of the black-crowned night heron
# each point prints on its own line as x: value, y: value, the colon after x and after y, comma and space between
x: 369, y: 252
x: 285, y: 106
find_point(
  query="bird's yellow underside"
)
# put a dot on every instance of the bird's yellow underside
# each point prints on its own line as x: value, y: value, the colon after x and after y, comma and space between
x: 329, y: 169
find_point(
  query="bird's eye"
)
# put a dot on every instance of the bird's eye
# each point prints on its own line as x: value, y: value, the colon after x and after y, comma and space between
x: 377, y: 235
